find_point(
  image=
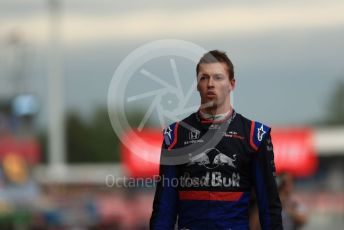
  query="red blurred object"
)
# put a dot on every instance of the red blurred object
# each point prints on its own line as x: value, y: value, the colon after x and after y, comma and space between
x: 28, y: 148
x: 141, y: 152
x: 294, y: 151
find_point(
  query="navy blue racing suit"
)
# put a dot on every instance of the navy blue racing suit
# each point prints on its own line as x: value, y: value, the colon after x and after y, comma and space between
x: 208, y: 170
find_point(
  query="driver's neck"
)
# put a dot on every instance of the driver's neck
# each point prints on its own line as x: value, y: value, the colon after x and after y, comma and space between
x: 213, y: 115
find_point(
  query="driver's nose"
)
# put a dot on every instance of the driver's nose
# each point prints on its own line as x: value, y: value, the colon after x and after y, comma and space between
x: 210, y: 82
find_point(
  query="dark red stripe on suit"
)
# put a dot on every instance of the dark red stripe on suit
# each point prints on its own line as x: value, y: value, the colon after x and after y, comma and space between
x: 208, y: 195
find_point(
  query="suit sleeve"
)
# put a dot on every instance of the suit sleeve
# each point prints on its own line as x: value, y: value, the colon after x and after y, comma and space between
x: 166, y: 196
x: 266, y: 190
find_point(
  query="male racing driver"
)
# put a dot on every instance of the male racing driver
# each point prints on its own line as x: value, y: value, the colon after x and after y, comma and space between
x: 212, y: 160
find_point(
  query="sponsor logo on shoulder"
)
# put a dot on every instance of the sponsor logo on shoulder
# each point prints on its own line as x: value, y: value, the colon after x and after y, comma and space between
x: 260, y: 133
x: 167, y: 131
x: 167, y: 135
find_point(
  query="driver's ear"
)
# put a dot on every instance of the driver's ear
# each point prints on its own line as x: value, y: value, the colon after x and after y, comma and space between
x: 232, y: 84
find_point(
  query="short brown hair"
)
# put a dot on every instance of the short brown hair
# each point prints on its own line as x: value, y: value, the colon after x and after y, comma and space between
x: 217, y: 56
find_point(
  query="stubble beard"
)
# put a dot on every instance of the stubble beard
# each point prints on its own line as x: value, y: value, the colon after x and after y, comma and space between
x: 209, y: 107
x: 212, y: 107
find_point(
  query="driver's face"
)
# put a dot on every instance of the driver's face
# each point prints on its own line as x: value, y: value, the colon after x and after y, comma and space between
x: 214, y: 85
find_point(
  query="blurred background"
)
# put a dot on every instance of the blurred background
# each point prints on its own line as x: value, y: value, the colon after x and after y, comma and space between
x: 59, y: 154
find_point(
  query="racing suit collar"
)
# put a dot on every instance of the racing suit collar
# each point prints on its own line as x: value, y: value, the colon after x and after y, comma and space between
x: 207, y: 119
x: 216, y: 117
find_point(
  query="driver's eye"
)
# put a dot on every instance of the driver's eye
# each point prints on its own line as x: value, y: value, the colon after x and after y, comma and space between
x: 218, y: 77
x: 203, y: 77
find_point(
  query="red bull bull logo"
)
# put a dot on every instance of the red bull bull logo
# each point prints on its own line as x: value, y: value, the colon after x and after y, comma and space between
x: 222, y: 159
x: 219, y: 159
